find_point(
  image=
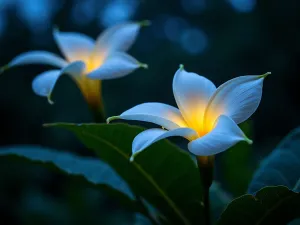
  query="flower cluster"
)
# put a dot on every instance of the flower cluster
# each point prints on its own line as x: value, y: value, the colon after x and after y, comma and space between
x: 207, y: 116
x: 87, y: 61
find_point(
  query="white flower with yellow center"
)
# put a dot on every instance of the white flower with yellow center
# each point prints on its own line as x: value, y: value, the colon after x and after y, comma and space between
x: 86, y: 61
x: 207, y: 116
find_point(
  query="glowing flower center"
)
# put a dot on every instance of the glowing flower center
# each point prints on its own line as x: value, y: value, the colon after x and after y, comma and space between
x: 202, y: 125
x: 93, y: 63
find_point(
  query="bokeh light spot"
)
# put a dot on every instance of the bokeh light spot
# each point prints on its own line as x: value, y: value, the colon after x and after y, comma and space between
x: 193, y: 6
x: 117, y: 11
x: 194, y: 41
x: 243, y: 5
x: 173, y: 27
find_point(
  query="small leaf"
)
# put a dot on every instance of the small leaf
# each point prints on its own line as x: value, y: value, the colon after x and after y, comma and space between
x: 271, y: 205
x: 89, y: 171
x: 281, y: 167
x: 163, y: 174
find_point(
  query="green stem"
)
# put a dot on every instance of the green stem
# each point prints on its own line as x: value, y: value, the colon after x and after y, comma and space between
x: 206, y: 206
x: 98, y: 113
x: 205, y: 166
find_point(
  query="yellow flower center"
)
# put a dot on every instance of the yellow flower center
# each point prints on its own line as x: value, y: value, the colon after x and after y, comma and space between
x: 93, y: 62
x: 91, y: 89
x: 203, y: 125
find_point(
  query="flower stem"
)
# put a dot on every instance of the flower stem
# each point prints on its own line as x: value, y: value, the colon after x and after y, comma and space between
x: 205, y: 166
x: 98, y: 113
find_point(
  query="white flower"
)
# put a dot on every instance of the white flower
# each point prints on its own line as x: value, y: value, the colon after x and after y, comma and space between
x: 207, y: 116
x: 87, y: 61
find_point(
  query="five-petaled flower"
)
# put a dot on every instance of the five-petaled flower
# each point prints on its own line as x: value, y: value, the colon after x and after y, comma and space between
x: 87, y: 61
x: 207, y: 116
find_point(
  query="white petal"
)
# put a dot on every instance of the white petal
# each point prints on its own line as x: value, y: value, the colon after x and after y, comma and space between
x: 74, y: 69
x: 74, y: 46
x: 237, y: 98
x: 164, y: 115
x: 117, y: 38
x: 38, y: 57
x: 225, y: 134
x: 192, y: 93
x: 117, y: 65
x: 148, y: 137
x: 44, y: 83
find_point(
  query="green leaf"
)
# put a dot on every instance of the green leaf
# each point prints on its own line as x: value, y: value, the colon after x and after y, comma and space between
x: 271, y: 205
x: 87, y: 171
x: 236, y: 168
x: 219, y: 199
x: 163, y: 174
x: 281, y: 167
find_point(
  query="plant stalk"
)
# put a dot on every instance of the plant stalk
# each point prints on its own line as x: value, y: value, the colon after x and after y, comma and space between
x: 205, y: 166
x: 98, y: 113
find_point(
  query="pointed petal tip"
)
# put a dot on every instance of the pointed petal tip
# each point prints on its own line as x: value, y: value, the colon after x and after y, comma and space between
x: 143, y: 65
x: 109, y: 119
x: 4, y: 68
x: 265, y: 75
x: 249, y: 141
x: 181, y: 67
x: 133, y: 156
x: 131, y: 159
x: 48, y: 124
x: 144, y: 23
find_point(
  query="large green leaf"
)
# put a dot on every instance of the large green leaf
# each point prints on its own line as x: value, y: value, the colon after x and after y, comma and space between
x: 163, y: 174
x: 281, y: 167
x: 271, y: 205
x: 87, y: 171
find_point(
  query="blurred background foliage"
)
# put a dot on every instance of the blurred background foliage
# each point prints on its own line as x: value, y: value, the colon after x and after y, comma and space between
x: 219, y: 39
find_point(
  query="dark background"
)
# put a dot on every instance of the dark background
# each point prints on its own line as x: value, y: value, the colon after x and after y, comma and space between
x: 219, y: 39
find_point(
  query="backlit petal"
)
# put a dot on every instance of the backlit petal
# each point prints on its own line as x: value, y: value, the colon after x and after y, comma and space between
x: 117, y: 38
x: 237, y: 98
x: 75, y: 69
x: 148, y: 137
x: 161, y: 114
x: 74, y: 46
x: 224, y: 135
x: 38, y: 57
x: 192, y: 93
x: 117, y: 65
x: 44, y: 83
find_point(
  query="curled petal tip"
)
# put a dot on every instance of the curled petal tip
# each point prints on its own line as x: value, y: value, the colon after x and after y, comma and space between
x: 143, y: 65
x: 144, y: 23
x: 49, y: 100
x: 181, y: 67
x: 109, y: 119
